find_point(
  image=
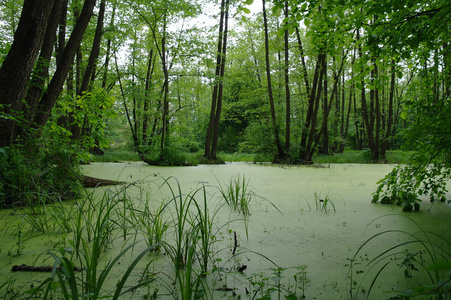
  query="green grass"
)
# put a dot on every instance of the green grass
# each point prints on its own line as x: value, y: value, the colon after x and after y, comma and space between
x: 362, y: 157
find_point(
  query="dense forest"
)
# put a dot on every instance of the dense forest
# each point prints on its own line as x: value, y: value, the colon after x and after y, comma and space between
x: 288, y: 79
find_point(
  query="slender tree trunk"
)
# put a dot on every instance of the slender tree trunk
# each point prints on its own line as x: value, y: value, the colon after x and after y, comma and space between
x: 214, y: 144
x: 287, y: 88
x: 313, y: 136
x: 388, y: 133
x: 147, y: 100
x: 164, y: 143
x: 316, y: 86
x: 127, y: 112
x: 325, y: 131
x: 217, y: 88
x: 280, y: 151
x: 304, y: 66
x: 90, y: 68
x: 366, y: 115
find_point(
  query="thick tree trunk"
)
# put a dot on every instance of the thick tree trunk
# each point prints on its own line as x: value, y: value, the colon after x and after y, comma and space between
x: 41, y: 73
x: 56, y: 84
x: 18, y: 64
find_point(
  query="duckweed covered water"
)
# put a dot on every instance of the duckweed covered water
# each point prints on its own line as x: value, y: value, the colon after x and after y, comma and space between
x: 309, y: 222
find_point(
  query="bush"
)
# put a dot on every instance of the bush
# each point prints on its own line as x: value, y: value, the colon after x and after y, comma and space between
x: 29, y: 177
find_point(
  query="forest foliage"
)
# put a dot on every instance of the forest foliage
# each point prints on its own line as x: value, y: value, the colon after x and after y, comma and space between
x: 289, y: 79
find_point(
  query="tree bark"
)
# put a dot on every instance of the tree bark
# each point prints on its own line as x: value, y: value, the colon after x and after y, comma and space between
x: 215, y: 94
x: 56, y: 84
x: 287, y: 88
x: 316, y: 89
x: 388, y: 133
x: 41, y: 73
x: 147, y: 101
x: 214, y: 144
x: 18, y: 64
x: 280, y: 156
x: 304, y: 66
x: 77, y: 129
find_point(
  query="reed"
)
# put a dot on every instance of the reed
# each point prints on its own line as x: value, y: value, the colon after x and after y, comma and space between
x: 237, y: 194
x: 322, y: 204
x: 152, y: 224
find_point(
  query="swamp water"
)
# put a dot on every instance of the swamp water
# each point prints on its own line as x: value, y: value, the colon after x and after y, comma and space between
x: 304, y: 229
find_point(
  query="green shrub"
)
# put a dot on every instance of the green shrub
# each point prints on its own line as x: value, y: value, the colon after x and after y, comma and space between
x: 30, y: 177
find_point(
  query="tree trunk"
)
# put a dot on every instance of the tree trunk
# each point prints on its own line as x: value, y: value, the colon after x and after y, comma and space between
x: 280, y: 156
x: 147, y: 101
x: 90, y: 68
x: 287, y: 88
x: 220, y: 58
x: 325, y: 132
x: 214, y: 144
x: 165, y: 117
x: 388, y: 133
x: 304, y: 155
x: 41, y: 73
x: 56, y: 84
x: 18, y: 64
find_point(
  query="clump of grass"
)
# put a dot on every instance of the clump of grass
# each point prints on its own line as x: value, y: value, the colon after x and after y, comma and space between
x: 237, y: 194
x: 194, y: 240
x: 322, y: 204
x: 152, y: 224
x: 422, y: 253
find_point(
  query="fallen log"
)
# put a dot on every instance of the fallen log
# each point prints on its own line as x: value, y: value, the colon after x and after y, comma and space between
x: 92, y: 182
x: 26, y: 268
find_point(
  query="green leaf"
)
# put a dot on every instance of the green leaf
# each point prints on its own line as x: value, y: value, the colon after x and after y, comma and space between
x: 404, y: 115
x: 307, y: 22
x: 304, y: 6
x: 245, y: 10
x: 248, y: 2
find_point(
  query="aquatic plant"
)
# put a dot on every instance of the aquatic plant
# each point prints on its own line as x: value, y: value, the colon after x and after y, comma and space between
x: 19, y: 245
x: 322, y: 204
x: 151, y: 224
x: 92, y: 286
x: 423, y: 252
x: 193, y: 241
x: 237, y: 194
x: 301, y: 280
